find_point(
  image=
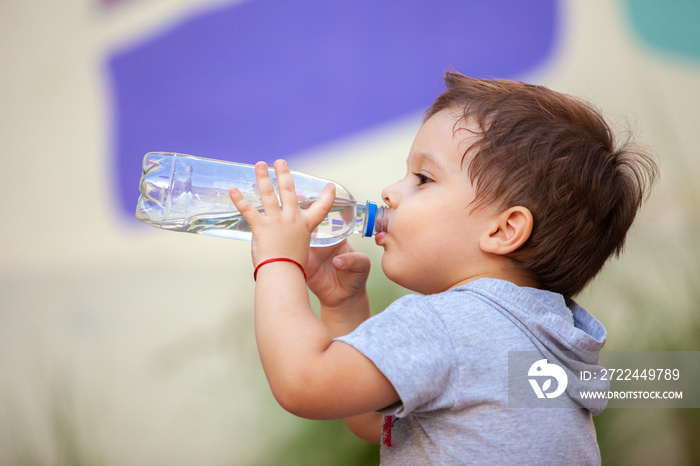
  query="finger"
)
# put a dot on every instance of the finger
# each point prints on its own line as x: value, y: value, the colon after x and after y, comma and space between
x: 318, y: 256
x: 266, y: 189
x: 244, y: 207
x: 319, y: 209
x: 356, y: 262
x: 285, y: 183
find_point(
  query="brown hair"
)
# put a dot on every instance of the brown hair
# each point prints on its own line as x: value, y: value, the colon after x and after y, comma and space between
x: 555, y: 155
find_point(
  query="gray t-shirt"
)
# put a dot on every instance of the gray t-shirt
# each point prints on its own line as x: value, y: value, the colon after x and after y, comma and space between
x: 447, y: 357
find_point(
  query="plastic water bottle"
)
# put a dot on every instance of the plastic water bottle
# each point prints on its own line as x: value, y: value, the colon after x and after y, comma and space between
x: 186, y: 193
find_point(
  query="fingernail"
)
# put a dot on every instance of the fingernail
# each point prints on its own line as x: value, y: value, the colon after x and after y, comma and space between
x: 339, y: 263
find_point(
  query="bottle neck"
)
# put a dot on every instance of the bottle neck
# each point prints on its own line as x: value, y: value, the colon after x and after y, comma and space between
x: 371, y: 219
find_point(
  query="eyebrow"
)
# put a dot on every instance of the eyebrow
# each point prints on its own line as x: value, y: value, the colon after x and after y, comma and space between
x: 429, y: 157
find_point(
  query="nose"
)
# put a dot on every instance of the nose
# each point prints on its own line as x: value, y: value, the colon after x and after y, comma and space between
x: 390, y: 195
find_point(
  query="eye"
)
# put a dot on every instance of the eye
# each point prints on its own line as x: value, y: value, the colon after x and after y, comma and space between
x: 422, y: 179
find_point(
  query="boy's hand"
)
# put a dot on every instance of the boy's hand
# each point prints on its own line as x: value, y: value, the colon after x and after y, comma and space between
x: 282, y: 230
x: 337, y: 273
x: 337, y: 276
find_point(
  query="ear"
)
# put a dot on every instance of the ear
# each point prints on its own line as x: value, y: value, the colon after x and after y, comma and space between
x: 507, y: 231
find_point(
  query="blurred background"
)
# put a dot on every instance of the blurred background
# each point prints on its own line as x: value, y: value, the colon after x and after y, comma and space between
x: 123, y: 344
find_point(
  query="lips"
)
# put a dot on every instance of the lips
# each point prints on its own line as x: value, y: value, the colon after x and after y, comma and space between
x: 379, y: 237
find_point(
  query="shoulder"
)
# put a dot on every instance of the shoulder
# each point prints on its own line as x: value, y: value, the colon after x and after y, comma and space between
x: 445, y: 305
x: 482, y: 305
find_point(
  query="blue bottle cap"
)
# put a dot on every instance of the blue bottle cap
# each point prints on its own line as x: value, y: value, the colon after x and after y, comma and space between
x: 371, y: 217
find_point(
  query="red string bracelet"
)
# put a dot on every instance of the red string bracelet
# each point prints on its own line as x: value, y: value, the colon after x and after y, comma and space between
x: 278, y: 259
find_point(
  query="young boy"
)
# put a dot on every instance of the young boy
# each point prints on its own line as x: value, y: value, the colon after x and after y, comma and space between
x: 514, y: 198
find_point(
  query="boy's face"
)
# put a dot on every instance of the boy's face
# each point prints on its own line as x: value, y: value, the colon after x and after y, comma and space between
x: 432, y: 242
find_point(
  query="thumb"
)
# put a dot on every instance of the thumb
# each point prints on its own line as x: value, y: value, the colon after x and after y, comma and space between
x: 356, y: 262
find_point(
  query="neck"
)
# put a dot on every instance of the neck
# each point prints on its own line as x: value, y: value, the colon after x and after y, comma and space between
x: 506, y: 272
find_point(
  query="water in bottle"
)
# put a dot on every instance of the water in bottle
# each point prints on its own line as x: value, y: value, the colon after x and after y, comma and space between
x: 186, y: 193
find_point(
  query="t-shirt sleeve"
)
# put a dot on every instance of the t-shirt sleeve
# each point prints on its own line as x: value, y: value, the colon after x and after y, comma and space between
x: 410, y: 345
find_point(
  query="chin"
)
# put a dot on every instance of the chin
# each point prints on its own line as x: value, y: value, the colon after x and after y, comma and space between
x: 391, y: 271
x: 397, y: 274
